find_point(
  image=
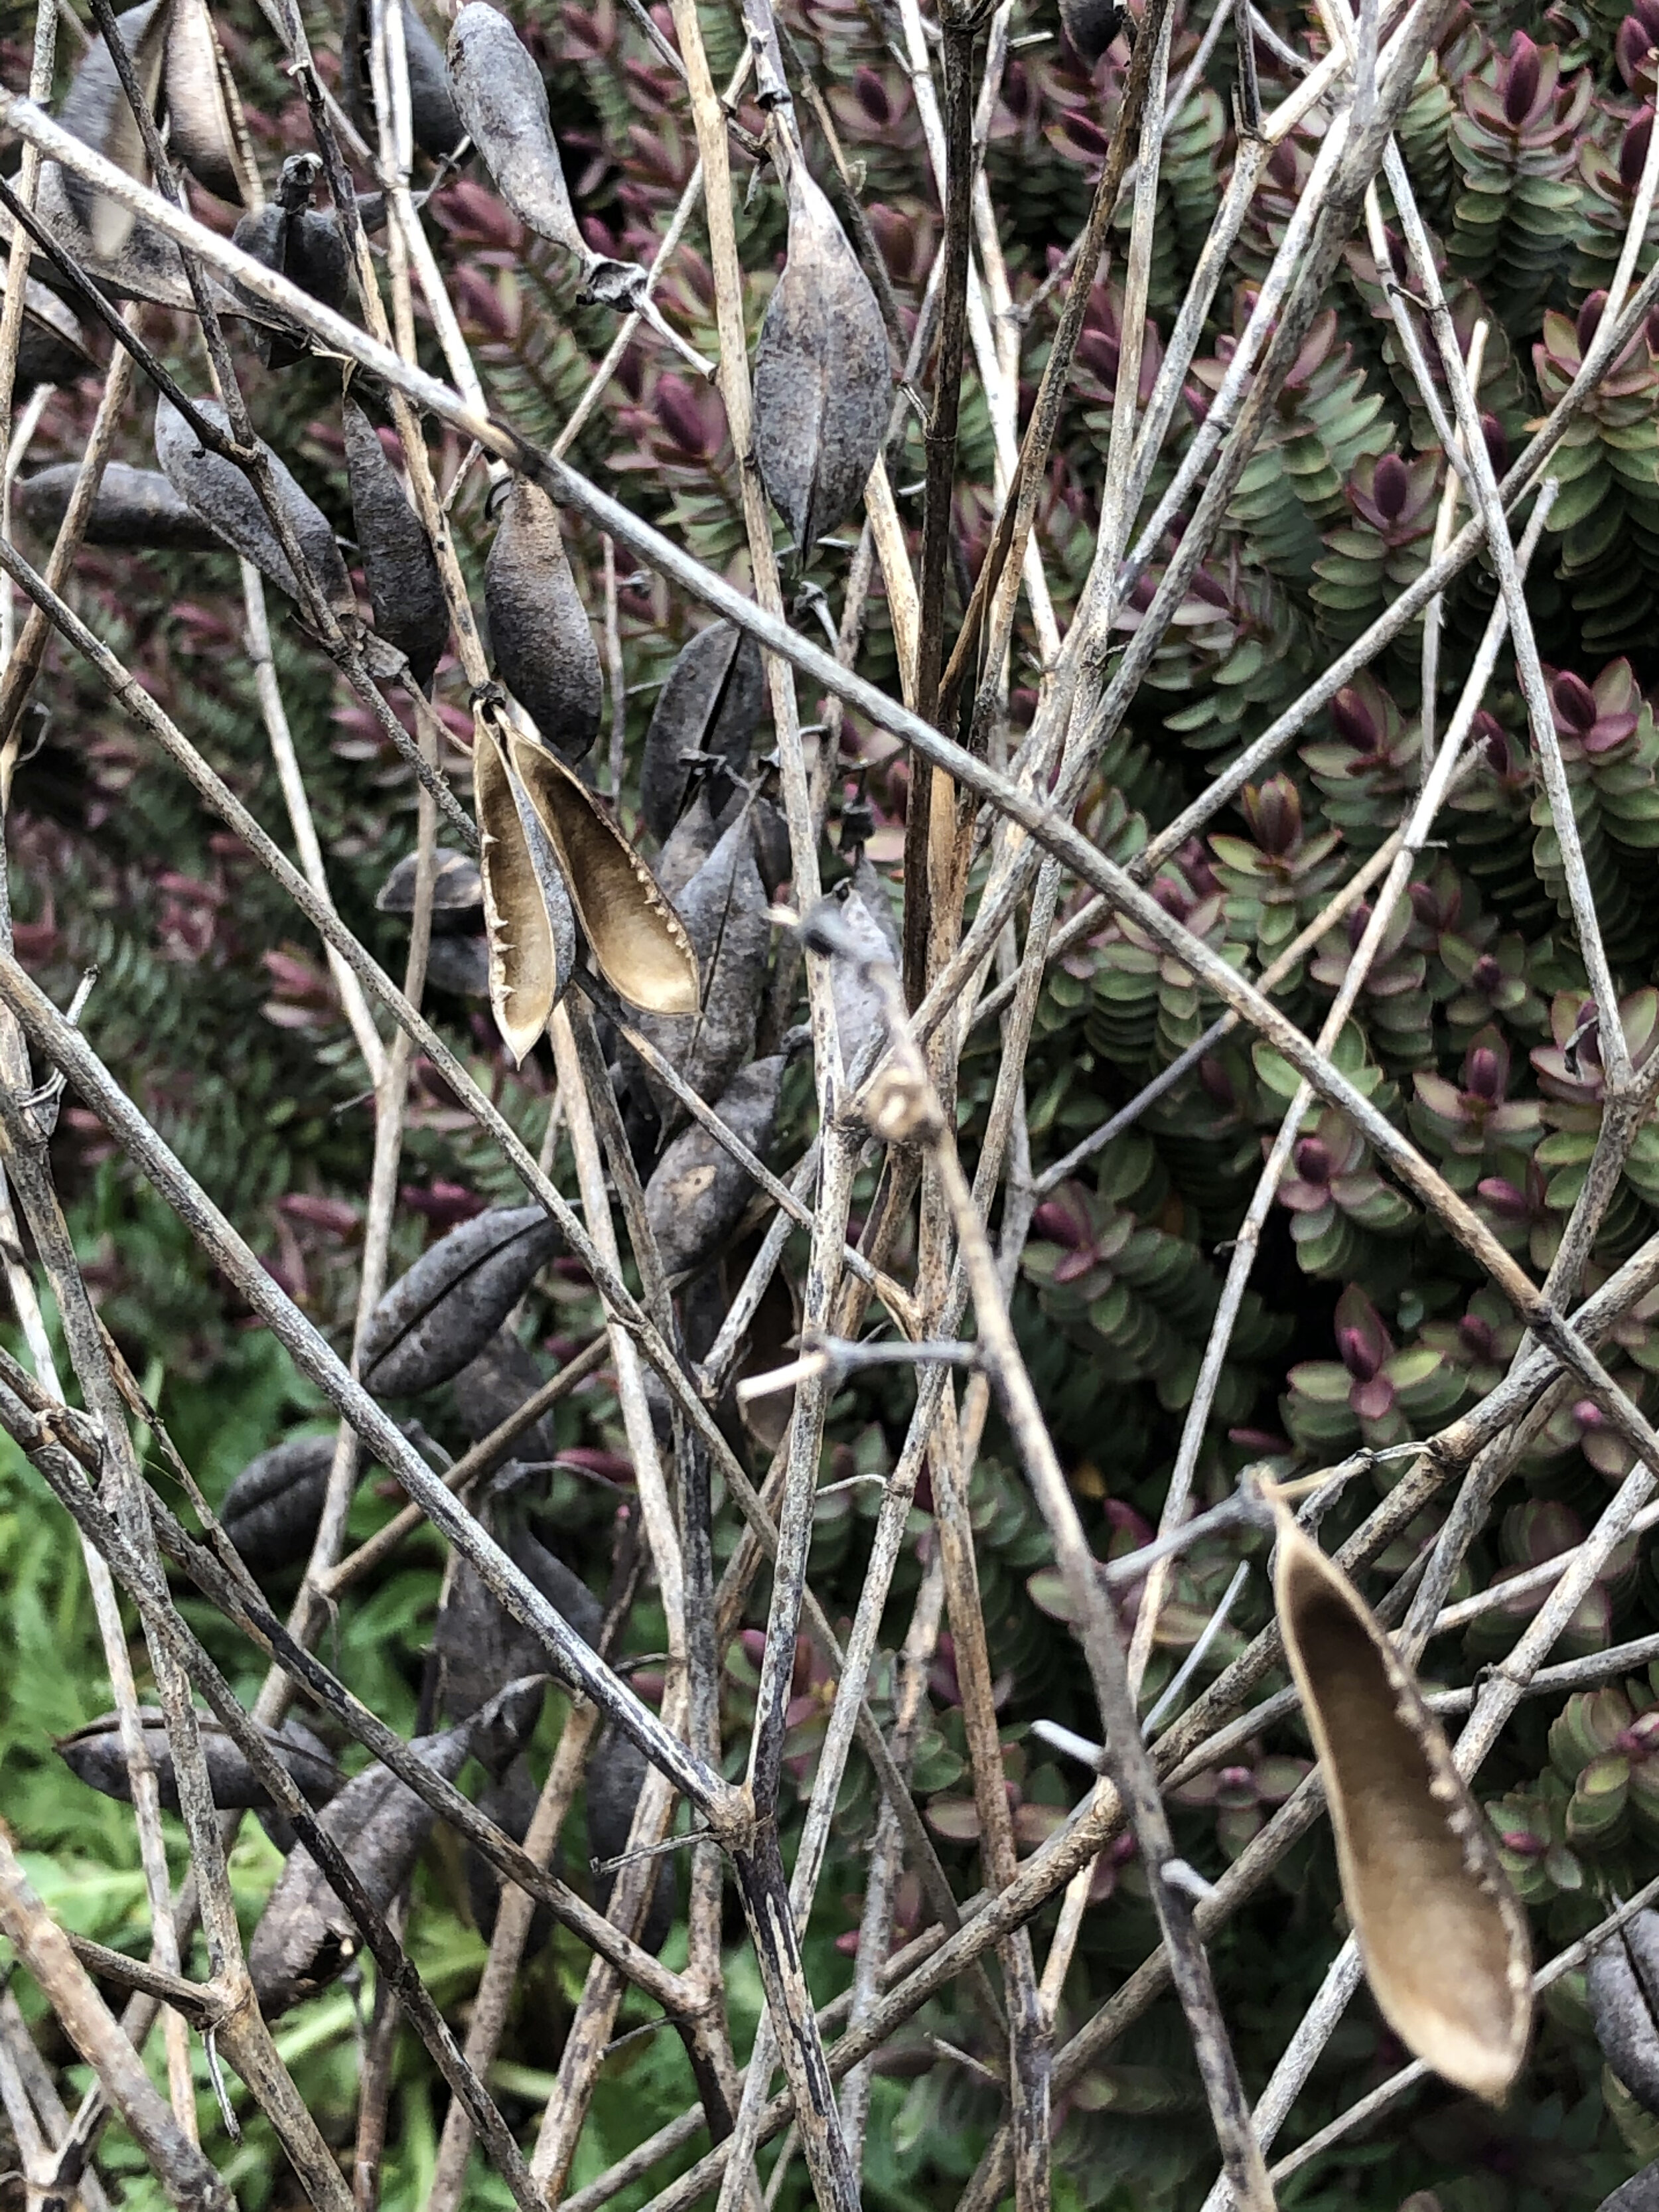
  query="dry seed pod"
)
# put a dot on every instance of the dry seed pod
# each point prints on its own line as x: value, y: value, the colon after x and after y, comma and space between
x: 480, y: 1647
x: 1444, y: 1942
x: 1624, y: 2002
x: 404, y: 588
x: 460, y: 965
x: 503, y: 104
x: 697, y: 1192
x: 492, y: 1386
x: 822, y: 380
x: 301, y: 243
x: 711, y: 704
x: 637, y: 940
x: 1091, y: 26
x: 457, y: 885
x: 205, y: 129
x: 724, y: 908
x: 135, y: 508
x: 216, y: 489
x: 271, y: 1510
x: 511, y: 1804
x: 51, y: 349
x: 530, y: 924
x: 453, y: 1300
x: 773, y: 1335
x: 306, y: 1937
x: 93, y: 1755
x: 437, y: 127
x: 861, y: 1020
x: 693, y: 838
x: 615, y: 1776
x: 1639, y: 2194
x: 96, y: 110
x: 538, y: 628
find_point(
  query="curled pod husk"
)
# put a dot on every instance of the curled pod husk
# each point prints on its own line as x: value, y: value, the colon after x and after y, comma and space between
x: 301, y: 243
x: 444, y: 1311
x: 724, y: 908
x: 530, y: 922
x: 480, y: 1646
x: 538, y: 628
x: 271, y: 1510
x: 135, y: 508
x: 205, y: 128
x: 861, y: 1020
x: 456, y: 885
x: 306, y: 1937
x: 491, y: 1389
x: 437, y: 126
x: 710, y: 704
x: 50, y: 348
x: 1443, y: 1938
x: 96, y: 110
x: 404, y: 588
x: 502, y: 102
x: 697, y: 1192
x: 1623, y: 1989
x: 1639, y: 2194
x: 822, y: 380
x: 615, y: 1776
x: 93, y: 1755
x: 1091, y: 26
x: 216, y: 491
x: 638, y: 941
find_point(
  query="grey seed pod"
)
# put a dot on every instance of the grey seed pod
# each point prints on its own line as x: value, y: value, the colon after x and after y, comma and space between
x: 404, y: 588
x: 306, y: 1937
x: 538, y: 627
x: 860, y: 1022
x: 50, y: 348
x: 202, y: 110
x: 503, y: 103
x: 1639, y: 2194
x: 1623, y: 1989
x: 443, y: 1312
x: 822, y: 378
x: 460, y: 965
x: 93, y: 1755
x: 697, y: 1192
x: 301, y: 243
x: 135, y: 508
x: 216, y: 491
x: 773, y: 1335
x: 1091, y: 26
x: 492, y: 1386
x: 703, y: 1304
x: 437, y: 126
x: 615, y: 1776
x: 511, y: 1804
x: 271, y: 1510
x: 712, y: 704
x: 457, y: 887
x: 724, y: 908
x: 480, y: 1647
x: 95, y: 110
x: 690, y: 842
x: 773, y: 856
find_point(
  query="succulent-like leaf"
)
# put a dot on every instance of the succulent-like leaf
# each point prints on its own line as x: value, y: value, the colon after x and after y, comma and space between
x: 437, y: 126
x: 96, y: 110
x: 710, y: 704
x: 93, y: 1754
x: 135, y: 508
x: 1623, y: 1989
x: 822, y: 378
x: 404, y: 588
x: 503, y: 103
x: 446, y: 1308
x: 217, y: 490
x: 529, y: 920
x: 1444, y: 1940
x: 697, y: 1192
x: 538, y: 627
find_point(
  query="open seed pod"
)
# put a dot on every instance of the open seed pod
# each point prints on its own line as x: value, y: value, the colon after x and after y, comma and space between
x: 205, y: 128
x: 219, y: 494
x: 135, y: 508
x: 530, y: 923
x: 492, y: 1386
x: 51, y: 349
x: 302, y: 243
x: 697, y: 1192
x: 538, y: 627
x: 724, y: 908
x: 437, y: 126
x: 822, y: 379
x: 404, y: 588
x: 96, y: 110
x: 1639, y: 2194
x: 503, y: 104
x: 1623, y: 1989
x: 306, y: 1937
x: 1444, y: 1941
x: 712, y: 704
x: 443, y: 1312
x: 93, y: 1755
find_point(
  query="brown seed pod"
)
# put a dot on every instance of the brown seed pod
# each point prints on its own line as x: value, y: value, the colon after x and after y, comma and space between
x: 1444, y: 1942
x: 530, y: 923
x: 95, y: 110
x: 538, y: 627
x: 1639, y: 2194
x: 93, y: 1755
x: 1623, y: 1989
x: 51, y: 349
x: 135, y: 508
x: 205, y: 128
x: 822, y: 379
x: 710, y: 704
x: 492, y: 1386
x: 301, y: 243
x: 438, y: 128
x: 637, y: 940
x: 306, y: 1937
x: 404, y: 588
x: 502, y: 102
x: 216, y: 491
x: 443, y: 1312
x: 724, y: 908
x: 697, y: 1192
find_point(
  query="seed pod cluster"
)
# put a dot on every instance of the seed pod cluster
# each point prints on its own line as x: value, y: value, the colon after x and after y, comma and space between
x: 94, y: 1755
x: 711, y: 705
x: 404, y: 587
x: 442, y: 1313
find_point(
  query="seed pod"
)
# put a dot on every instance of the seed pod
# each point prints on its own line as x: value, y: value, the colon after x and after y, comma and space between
x: 271, y: 1510
x: 95, y: 110
x: 492, y: 1386
x: 690, y: 842
x: 479, y: 1646
x: 1444, y: 1942
x: 93, y: 1755
x: 457, y: 886
x: 503, y: 104
x: 538, y: 627
x: 306, y: 1937
x: 1639, y: 2194
x: 530, y: 924
x: 860, y: 1022
x: 437, y: 126
x: 822, y: 380
x: 51, y: 349
x: 1624, y: 2002
x: 301, y: 243
x: 615, y: 1776
x: 712, y: 704
x: 205, y: 128
x: 453, y: 1300
x: 697, y: 1194
x: 637, y: 940
x: 773, y: 1335
x: 216, y: 491
x: 511, y: 1804
x: 724, y: 908
x: 404, y: 588
x: 135, y: 508
x: 1091, y: 26
x: 773, y: 856
x: 460, y: 965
